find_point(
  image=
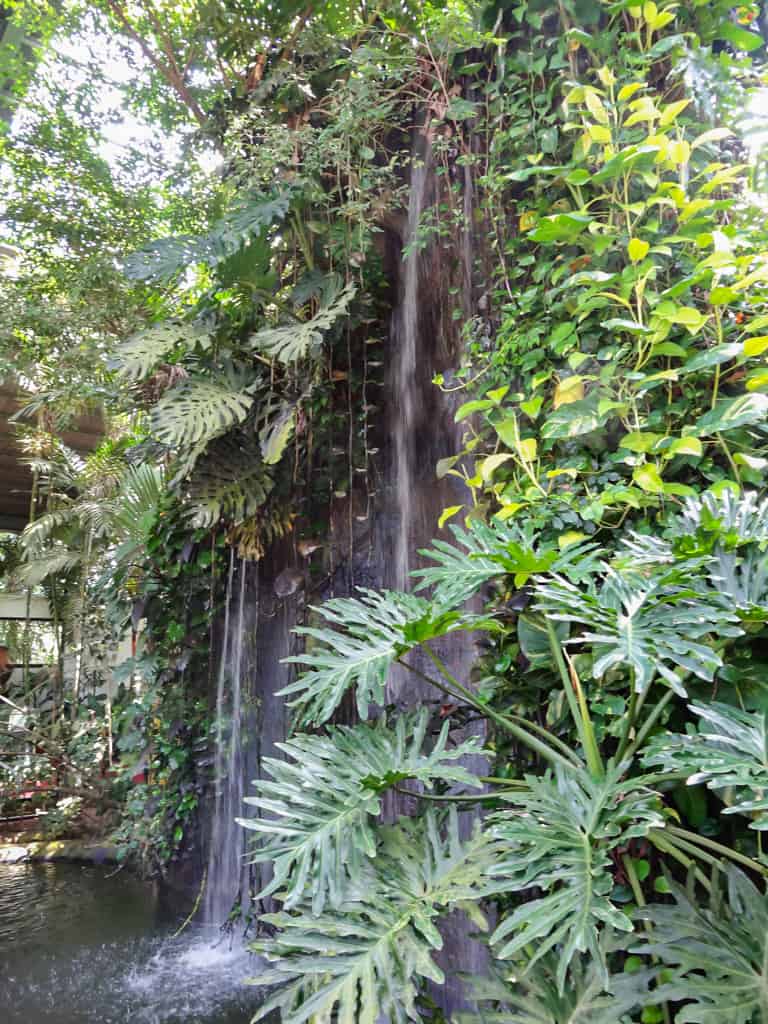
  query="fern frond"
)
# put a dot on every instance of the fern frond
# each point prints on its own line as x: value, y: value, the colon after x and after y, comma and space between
x: 323, y: 800
x: 364, y: 961
x: 559, y: 837
x: 295, y: 341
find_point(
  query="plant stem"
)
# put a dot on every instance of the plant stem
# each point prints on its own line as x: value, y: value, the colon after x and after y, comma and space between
x: 680, y: 857
x: 580, y: 714
x: 724, y: 851
x: 519, y: 732
x: 649, y: 723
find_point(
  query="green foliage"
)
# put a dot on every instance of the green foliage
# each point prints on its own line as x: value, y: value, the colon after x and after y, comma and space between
x: 363, y: 639
x: 728, y: 752
x: 198, y: 411
x: 717, y: 953
x: 297, y: 341
x: 322, y: 804
x: 648, y: 622
x: 559, y: 838
x: 229, y: 481
x: 367, y: 957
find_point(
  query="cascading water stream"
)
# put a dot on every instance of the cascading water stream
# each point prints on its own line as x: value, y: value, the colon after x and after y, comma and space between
x: 227, y: 874
x: 406, y: 375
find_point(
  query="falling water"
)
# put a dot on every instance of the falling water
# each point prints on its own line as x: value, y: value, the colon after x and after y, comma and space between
x: 405, y: 383
x: 227, y: 874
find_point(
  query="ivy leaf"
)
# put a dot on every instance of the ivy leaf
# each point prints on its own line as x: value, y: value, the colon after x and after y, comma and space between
x: 574, y: 419
x: 731, y: 413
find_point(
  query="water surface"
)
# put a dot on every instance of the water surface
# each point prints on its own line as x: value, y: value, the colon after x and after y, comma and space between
x: 83, y: 945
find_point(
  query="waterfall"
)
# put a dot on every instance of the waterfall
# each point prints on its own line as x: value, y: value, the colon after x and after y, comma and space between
x: 405, y: 375
x: 227, y: 875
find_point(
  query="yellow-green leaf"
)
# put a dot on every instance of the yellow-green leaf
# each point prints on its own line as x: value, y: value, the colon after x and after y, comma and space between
x: 528, y: 448
x: 598, y: 133
x: 670, y: 112
x: 447, y: 514
x: 679, y: 151
x: 595, y: 107
x: 637, y: 249
x: 570, y: 389
x: 489, y: 465
x: 684, y: 446
x: 626, y: 92
x: 756, y: 346
x: 648, y: 478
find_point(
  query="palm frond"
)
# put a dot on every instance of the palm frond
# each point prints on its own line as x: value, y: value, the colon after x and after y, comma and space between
x: 559, y: 837
x: 52, y: 563
x: 364, y: 960
x: 295, y: 341
x: 323, y: 800
x: 729, y: 752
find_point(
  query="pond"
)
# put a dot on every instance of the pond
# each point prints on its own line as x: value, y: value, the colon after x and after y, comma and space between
x: 85, y: 945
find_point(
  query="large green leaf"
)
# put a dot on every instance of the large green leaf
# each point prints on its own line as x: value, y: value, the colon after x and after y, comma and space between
x: 485, y: 551
x: 718, y: 954
x: 197, y: 411
x: 323, y: 800
x: 363, y: 638
x: 168, y: 257
x: 228, y: 481
x: 558, y: 839
x: 662, y: 619
x: 138, y: 355
x: 728, y: 752
x: 365, y: 961
x: 730, y: 413
x: 295, y: 341
x: 517, y: 996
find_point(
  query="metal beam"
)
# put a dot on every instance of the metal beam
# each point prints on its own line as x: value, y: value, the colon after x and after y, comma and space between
x: 14, y: 606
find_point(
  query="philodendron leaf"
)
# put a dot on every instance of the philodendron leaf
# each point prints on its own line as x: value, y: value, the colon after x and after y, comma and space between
x: 356, y: 647
x: 322, y: 802
x: 728, y: 752
x: 558, y: 839
x: 364, y: 962
x: 664, y: 621
x: 713, y: 959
